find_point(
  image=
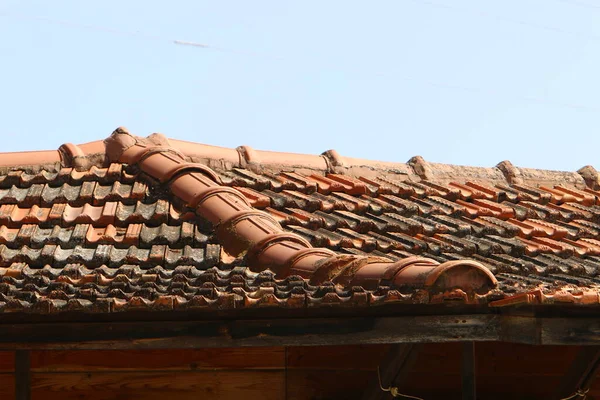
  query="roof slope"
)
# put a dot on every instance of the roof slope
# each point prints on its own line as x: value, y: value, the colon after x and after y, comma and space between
x: 150, y: 223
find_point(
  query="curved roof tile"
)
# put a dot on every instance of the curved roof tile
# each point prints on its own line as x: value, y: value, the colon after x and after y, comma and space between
x: 133, y: 223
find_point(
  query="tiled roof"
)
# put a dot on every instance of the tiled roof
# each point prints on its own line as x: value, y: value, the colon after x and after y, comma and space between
x: 157, y: 224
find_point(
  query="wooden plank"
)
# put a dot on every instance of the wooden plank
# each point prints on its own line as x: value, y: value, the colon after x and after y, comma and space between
x: 581, y: 374
x: 533, y: 371
x: 469, y: 391
x: 432, y: 385
x: 434, y: 372
x: 522, y: 386
x: 7, y: 386
x: 7, y: 361
x: 570, y: 331
x: 300, y: 332
x: 438, y: 358
x: 393, y: 370
x: 355, y: 357
x: 305, y: 384
x: 513, y: 359
x: 504, y: 370
x: 448, y: 386
x: 22, y: 375
x: 251, y: 385
x: 158, y: 359
x: 279, y: 332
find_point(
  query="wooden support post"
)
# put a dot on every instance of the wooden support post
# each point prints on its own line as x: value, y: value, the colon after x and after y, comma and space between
x: 22, y: 375
x: 393, y: 369
x: 580, y: 375
x: 468, y: 371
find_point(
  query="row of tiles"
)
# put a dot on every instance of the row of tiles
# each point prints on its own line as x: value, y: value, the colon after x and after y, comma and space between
x: 338, y: 229
x: 19, y: 282
x: 542, y: 269
x: 88, y: 192
x: 442, y: 238
x: 235, y: 301
x: 309, y: 183
x: 390, y: 245
x: 187, y: 281
x: 77, y: 288
x: 530, y: 219
x: 54, y: 255
x: 431, y: 205
x: 98, y: 184
x: 430, y: 224
x: 139, y: 235
x: 94, y: 194
x: 500, y: 255
x: 424, y: 198
x: 88, y: 300
x: 482, y: 236
x: 107, y: 175
x: 110, y: 213
x: 334, y: 183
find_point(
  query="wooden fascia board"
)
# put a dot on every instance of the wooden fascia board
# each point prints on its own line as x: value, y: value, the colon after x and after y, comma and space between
x: 301, y: 332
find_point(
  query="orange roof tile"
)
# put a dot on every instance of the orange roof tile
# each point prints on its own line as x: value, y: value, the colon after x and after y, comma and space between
x: 134, y: 223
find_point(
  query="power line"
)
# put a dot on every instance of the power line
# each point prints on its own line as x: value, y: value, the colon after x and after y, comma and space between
x: 186, y: 43
x: 136, y: 34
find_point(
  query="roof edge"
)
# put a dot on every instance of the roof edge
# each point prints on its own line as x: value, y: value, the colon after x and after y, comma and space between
x: 416, y: 169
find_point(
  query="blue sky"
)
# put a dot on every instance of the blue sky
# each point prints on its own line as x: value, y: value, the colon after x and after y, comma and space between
x: 456, y: 81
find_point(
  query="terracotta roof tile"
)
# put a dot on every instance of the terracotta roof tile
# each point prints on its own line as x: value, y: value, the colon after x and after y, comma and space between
x: 152, y: 224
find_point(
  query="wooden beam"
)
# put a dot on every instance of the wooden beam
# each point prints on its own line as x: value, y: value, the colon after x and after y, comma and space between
x: 468, y: 371
x: 570, y: 331
x: 22, y: 375
x: 393, y: 369
x: 580, y: 375
x: 232, y: 333
x: 300, y: 332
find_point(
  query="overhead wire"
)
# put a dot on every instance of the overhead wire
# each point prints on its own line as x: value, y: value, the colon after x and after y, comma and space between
x: 133, y: 34
x: 121, y: 32
x: 394, y: 391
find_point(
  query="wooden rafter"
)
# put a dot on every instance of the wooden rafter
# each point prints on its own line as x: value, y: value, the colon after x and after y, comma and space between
x: 393, y: 370
x: 300, y: 332
x: 581, y: 374
x: 22, y: 375
x: 468, y: 371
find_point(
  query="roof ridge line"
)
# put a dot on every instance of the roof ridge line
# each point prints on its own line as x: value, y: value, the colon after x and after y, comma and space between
x: 416, y: 169
x: 244, y: 231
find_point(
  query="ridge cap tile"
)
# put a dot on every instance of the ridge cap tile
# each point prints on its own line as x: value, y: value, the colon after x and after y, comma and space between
x: 80, y: 213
